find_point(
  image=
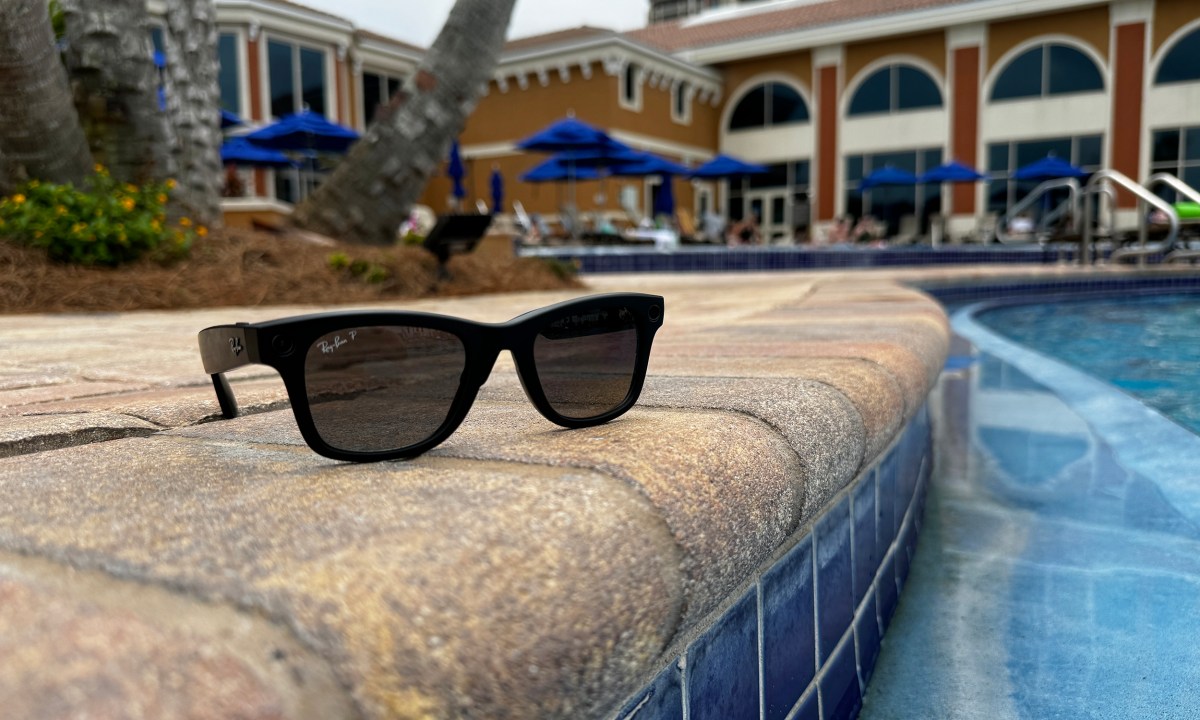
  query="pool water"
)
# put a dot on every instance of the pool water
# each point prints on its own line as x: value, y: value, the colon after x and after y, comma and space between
x: 1057, y: 571
x: 1149, y: 346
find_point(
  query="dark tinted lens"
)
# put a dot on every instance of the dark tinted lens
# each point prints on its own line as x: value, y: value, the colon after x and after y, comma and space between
x: 373, y: 389
x: 585, y: 361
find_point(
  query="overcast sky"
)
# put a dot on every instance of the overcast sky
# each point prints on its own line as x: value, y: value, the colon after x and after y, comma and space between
x: 418, y: 21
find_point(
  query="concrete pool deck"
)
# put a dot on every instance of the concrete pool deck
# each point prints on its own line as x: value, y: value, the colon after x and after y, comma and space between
x: 516, y: 571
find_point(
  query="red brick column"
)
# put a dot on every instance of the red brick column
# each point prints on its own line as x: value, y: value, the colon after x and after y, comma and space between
x: 254, y: 78
x: 1129, y: 61
x: 827, y: 129
x: 964, y: 127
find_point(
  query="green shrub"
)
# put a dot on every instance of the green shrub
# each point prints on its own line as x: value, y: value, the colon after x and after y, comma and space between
x: 364, y: 270
x: 107, y: 223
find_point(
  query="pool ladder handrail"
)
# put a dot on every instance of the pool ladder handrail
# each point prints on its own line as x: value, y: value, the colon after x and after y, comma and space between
x: 1144, y: 248
x: 1026, y: 202
x: 1187, y: 191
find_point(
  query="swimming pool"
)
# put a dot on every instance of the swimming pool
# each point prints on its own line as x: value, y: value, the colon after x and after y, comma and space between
x: 1147, y: 346
x: 1058, y: 569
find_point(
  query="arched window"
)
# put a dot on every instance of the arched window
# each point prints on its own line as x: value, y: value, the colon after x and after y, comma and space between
x: 895, y: 88
x: 768, y: 105
x: 1047, y: 70
x: 1182, y: 63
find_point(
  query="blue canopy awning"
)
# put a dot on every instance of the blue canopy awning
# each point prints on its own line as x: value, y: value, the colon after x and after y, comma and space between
x: 1049, y: 168
x: 241, y: 152
x: 555, y: 169
x: 952, y: 172
x: 888, y: 176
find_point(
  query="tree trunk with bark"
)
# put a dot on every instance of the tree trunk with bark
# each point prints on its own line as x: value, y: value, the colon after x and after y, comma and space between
x: 40, y: 136
x: 194, y: 106
x: 371, y: 191
x: 110, y: 62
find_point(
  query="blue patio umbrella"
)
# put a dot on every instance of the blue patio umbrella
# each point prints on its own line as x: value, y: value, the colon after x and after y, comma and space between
x: 497, y: 184
x: 726, y: 166
x: 229, y: 120
x: 888, y: 175
x: 648, y: 164
x: 1049, y: 168
x: 555, y: 170
x: 455, y: 171
x: 952, y: 172
x: 305, y: 130
x: 241, y: 152
x: 569, y: 134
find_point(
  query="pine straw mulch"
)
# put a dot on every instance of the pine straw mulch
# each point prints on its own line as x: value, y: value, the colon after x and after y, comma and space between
x: 248, y: 268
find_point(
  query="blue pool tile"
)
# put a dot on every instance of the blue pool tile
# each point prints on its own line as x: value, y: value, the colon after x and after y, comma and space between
x: 722, y: 666
x: 835, y: 591
x: 661, y: 700
x: 867, y: 639
x: 885, y: 529
x: 885, y: 593
x: 841, y: 698
x: 809, y: 708
x: 789, y: 637
x: 905, y: 547
x: 866, y: 548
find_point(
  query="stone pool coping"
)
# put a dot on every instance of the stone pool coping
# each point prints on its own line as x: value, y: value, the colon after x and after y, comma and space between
x: 516, y: 571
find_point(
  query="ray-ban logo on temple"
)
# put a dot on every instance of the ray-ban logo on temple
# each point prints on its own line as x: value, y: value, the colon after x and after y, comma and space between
x: 383, y: 385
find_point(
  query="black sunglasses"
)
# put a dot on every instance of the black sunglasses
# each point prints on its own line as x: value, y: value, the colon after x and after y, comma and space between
x: 381, y: 385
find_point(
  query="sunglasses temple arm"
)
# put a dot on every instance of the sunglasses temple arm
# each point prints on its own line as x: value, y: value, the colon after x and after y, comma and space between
x: 223, y: 348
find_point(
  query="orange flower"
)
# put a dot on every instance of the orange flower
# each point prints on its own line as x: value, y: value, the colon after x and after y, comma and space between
x: 171, y: 184
x: 19, y: 199
x: 161, y: 198
x: 185, y: 222
x: 201, y: 231
x: 128, y: 204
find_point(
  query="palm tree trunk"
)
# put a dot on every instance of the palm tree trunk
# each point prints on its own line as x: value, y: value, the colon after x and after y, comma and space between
x: 40, y: 136
x: 371, y: 191
x: 109, y: 59
x: 194, y: 105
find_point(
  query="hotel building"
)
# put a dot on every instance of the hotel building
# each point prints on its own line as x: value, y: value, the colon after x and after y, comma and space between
x: 821, y: 92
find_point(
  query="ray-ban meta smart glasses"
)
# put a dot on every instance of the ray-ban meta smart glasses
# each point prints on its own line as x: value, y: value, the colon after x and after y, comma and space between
x: 382, y: 385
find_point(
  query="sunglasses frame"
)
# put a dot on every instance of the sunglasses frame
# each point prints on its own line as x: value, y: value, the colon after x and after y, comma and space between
x: 284, y: 344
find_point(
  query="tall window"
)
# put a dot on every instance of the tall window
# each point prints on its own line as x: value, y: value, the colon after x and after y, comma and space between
x: 378, y: 89
x: 631, y: 87
x: 1177, y: 151
x: 681, y: 106
x: 890, y: 204
x: 297, y: 78
x: 768, y: 105
x: 1182, y: 63
x: 1048, y: 70
x: 895, y: 88
x: 1084, y: 152
x: 227, y: 54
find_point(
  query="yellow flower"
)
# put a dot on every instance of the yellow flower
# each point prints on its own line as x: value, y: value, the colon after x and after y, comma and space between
x: 128, y: 204
x: 161, y: 198
x: 35, y: 184
x: 201, y: 231
x: 130, y: 188
x: 19, y: 199
x: 101, y: 170
x: 171, y: 184
x: 78, y: 228
x: 156, y: 225
x: 185, y: 222
x: 60, y: 210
